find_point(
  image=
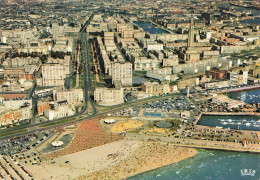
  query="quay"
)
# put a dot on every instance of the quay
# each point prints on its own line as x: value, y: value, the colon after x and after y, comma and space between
x: 201, y: 144
x: 241, y: 89
x: 232, y: 113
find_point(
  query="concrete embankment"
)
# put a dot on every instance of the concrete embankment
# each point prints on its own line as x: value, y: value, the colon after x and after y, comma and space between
x: 241, y: 89
x: 232, y: 113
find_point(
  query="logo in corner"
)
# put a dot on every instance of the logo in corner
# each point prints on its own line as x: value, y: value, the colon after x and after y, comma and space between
x: 247, y: 172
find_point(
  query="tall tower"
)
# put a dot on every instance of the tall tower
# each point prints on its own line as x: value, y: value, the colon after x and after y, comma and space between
x: 188, y: 91
x: 191, y: 34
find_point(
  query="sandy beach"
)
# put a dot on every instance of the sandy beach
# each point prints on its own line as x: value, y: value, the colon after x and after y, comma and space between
x: 116, y: 160
x: 83, y: 162
x: 148, y: 156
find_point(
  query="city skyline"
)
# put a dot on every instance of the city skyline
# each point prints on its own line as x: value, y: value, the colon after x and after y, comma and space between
x: 129, y: 89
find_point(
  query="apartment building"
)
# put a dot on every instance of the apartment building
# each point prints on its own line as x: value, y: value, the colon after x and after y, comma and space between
x: 17, y: 103
x: 108, y: 96
x: 155, y: 88
x: 72, y: 95
x: 54, y: 74
x: 41, y: 106
x: 122, y: 71
x: 237, y: 77
x: 61, y: 109
x: 12, y: 116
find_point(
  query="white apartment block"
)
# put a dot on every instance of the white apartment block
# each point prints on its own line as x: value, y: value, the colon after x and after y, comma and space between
x: 21, y: 62
x: 72, y: 96
x: 108, y: 96
x: 104, y: 60
x: 55, y: 114
x: 109, y: 35
x: 122, y: 71
x: 54, y: 74
x: 145, y: 64
x: 17, y: 104
x: 154, y: 88
x: 155, y: 47
x: 61, y: 109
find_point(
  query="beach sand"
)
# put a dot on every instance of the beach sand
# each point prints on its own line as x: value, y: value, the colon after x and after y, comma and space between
x: 83, y: 162
x: 147, y: 157
x: 116, y: 160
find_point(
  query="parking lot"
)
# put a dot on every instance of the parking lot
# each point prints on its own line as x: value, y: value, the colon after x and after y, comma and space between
x: 16, y: 153
x: 168, y: 105
x: 127, y: 112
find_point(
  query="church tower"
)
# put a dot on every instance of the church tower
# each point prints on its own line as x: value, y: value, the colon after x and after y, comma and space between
x: 191, y: 34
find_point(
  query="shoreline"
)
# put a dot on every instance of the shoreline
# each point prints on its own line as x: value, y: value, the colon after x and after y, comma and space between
x: 167, y: 164
x: 157, y: 155
x: 117, y: 160
x: 164, y: 165
x: 231, y: 113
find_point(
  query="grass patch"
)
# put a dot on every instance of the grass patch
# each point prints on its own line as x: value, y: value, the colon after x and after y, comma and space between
x: 58, y: 122
x: 151, y: 125
x: 176, y: 124
x: 13, y: 132
x: 71, y: 128
x: 100, y: 77
x: 138, y: 73
x: 81, y: 81
x: 135, y: 131
x: 23, y: 124
x: 73, y: 81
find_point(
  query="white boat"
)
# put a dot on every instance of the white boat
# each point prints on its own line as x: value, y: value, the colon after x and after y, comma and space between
x: 256, y: 125
x: 219, y: 127
x: 239, y: 123
x: 248, y: 124
x: 229, y: 120
x: 224, y: 123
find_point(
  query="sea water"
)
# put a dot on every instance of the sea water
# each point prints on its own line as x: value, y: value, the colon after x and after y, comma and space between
x: 252, y: 96
x: 251, y: 123
x: 208, y: 164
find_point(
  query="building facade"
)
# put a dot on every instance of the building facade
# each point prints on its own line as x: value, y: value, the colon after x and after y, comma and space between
x: 53, y: 74
x: 72, y: 96
x: 122, y: 71
x: 108, y: 96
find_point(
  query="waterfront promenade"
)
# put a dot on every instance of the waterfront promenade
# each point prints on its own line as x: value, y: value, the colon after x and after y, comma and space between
x: 193, y: 143
x: 238, y: 89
